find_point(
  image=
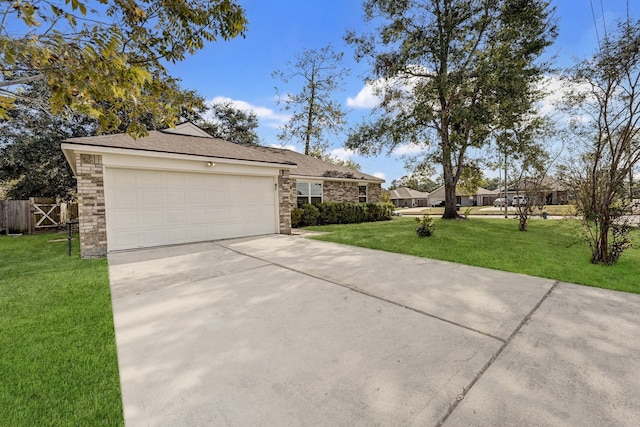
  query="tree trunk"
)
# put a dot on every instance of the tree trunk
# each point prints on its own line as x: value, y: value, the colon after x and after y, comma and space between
x: 522, y: 225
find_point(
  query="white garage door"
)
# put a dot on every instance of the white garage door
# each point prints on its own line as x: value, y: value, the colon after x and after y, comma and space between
x: 154, y: 208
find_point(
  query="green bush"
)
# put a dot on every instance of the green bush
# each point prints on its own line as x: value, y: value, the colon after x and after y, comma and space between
x: 340, y: 213
x: 310, y: 215
x: 296, y: 217
x: 425, y: 226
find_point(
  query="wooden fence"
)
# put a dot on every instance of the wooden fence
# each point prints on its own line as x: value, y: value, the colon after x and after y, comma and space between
x: 35, y: 214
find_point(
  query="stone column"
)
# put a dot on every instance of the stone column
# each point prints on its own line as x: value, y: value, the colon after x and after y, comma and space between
x: 91, y: 207
x: 284, y: 200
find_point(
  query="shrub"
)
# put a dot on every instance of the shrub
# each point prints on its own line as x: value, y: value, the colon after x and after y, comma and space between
x: 296, y: 217
x: 340, y: 213
x: 425, y: 226
x: 310, y: 215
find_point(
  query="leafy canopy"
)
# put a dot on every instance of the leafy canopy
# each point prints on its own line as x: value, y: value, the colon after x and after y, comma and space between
x: 316, y: 74
x: 450, y: 75
x: 231, y: 124
x: 102, y: 58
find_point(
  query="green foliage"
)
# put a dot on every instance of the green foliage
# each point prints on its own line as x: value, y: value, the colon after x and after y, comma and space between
x: 101, y: 59
x: 31, y: 162
x: 296, y: 217
x: 425, y: 227
x: 340, y: 213
x: 448, y: 76
x: 606, y: 89
x: 310, y: 215
x: 232, y: 124
x: 317, y: 74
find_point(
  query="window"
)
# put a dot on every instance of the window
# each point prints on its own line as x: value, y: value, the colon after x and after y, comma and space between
x: 308, y: 192
x: 362, y: 193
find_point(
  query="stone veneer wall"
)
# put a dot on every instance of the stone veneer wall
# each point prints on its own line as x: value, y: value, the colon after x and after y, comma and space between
x: 91, y: 209
x: 340, y: 191
x: 284, y: 199
x: 375, y: 193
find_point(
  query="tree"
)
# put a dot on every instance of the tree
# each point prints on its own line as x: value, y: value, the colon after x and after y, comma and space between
x: 103, y: 58
x: 232, y: 124
x: 319, y: 74
x: 452, y: 73
x: 31, y: 162
x: 415, y: 182
x: 605, y: 96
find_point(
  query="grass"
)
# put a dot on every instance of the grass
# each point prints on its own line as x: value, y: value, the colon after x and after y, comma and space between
x: 58, y: 361
x: 560, y: 210
x: 552, y: 249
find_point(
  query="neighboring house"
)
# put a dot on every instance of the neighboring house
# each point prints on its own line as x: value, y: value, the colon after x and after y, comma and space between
x: 181, y: 185
x: 550, y: 191
x: 408, y: 198
x: 481, y: 197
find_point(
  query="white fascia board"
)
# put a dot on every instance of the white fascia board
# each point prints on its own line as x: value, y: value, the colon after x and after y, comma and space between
x: 92, y: 149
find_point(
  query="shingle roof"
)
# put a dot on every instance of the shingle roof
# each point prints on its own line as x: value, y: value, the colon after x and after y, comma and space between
x: 176, y: 143
x: 167, y: 142
x: 407, y: 193
x: 313, y: 167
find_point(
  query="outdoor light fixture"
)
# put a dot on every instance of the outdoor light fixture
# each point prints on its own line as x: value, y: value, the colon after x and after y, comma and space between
x: 210, y: 164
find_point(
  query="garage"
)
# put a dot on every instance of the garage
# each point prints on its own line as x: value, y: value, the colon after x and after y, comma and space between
x: 146, y: 208
x: 175, y: 186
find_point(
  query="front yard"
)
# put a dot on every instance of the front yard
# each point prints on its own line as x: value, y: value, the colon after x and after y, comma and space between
x: 553, y: 248
x: 58, y: 364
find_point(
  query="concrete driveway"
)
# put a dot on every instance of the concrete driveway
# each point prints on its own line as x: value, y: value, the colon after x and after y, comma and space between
x: 282, y: 330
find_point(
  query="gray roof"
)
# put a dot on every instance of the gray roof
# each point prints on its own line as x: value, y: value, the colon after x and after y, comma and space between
x: 313, y: 167
x: 407, y: 193
x: 167, y: 142
x: 176, y: 143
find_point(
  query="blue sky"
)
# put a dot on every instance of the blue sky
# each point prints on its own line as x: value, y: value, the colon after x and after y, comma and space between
x: 240, y: 70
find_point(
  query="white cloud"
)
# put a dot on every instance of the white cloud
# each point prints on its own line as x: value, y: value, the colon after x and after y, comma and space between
x: 286, y: 147
x: 366, y: 98
x: 380, y: 175
x: 342, y: 153
x: 272, y: 118
x: 407, y: 149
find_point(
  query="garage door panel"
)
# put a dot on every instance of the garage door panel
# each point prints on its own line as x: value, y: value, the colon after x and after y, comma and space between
x: 174, y: 197
x: 152, y: 208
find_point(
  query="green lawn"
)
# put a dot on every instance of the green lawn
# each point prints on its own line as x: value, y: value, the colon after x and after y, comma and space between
x: 553, y: 248
x: 58, y: 362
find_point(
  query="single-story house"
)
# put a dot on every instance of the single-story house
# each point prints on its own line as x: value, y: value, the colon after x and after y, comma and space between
x: 550, y: 191
x: 404, y: 197
x: 481, y: 197
x: 181, y: 185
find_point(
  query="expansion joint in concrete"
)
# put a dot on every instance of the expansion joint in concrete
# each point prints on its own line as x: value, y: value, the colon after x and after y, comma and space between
x: 495, y: 356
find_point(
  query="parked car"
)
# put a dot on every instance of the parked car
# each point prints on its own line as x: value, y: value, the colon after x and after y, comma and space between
x: 499, y: 202
x: 519, y: 200
x: 439, y: 204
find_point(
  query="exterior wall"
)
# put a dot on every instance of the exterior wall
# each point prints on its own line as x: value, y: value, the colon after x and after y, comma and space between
x: 91, y: 208
x: 340, y: 191
x: 285, y: 200
x: 375, y: 192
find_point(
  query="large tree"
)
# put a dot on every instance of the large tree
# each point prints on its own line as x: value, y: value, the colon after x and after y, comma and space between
x: 316, y: 76
x: 231, y: 124
x: 31, y: 162
x: 451, y: 74
x: 103, y: 58
x: 606, y: 100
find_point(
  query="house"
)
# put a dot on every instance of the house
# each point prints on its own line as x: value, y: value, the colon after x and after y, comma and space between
x: 181, y: 185
x: 549, y: 191
x: 408, y: 198
x: 481, y: 197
